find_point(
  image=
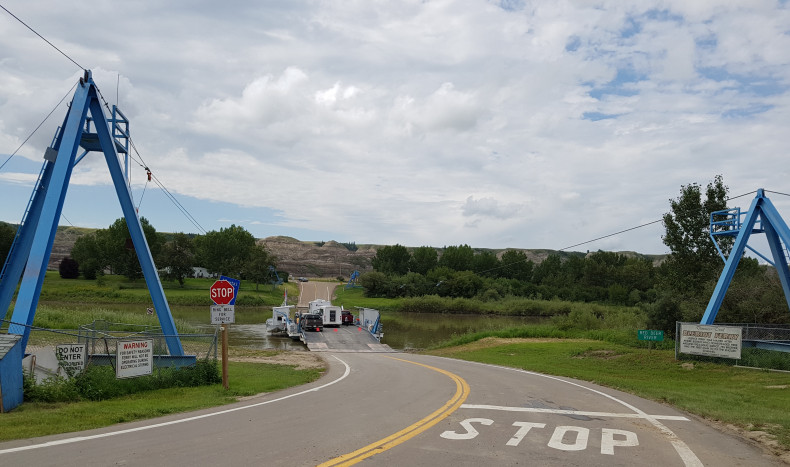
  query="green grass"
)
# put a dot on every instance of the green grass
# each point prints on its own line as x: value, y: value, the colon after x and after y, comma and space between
x: 351, y: 298
x: 751, y: 399
x: 117, y: 289
x: 245, y: 379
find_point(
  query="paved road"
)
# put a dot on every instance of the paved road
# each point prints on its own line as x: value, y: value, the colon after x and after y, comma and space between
x: 403, y: 409
x: 309, y: 291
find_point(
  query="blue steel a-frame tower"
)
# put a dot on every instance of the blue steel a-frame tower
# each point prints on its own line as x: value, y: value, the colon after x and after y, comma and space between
x: 32, y: 246
x: 762, y: 217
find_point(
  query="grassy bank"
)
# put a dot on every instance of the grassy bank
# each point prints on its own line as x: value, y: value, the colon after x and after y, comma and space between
x: 118, y: 289
x: 750, y: 399
x: 245, y: 379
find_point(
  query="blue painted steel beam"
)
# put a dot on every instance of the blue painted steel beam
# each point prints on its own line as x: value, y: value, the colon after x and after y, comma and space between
x: 732, y: 263
x: 23, y: 241
x: 776, y: 231
x: 135, y: 228
x: 44, y: 234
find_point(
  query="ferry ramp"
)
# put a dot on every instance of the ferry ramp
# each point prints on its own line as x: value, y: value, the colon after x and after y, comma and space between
x: 343, y: 339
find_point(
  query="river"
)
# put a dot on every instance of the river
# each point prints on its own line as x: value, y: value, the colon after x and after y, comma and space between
x: 402, y: 331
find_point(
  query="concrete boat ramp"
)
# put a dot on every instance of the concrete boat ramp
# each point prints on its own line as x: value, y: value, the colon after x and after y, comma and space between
x: 343, y: 339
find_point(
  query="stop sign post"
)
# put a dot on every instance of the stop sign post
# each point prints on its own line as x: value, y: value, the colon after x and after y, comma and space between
x: 222, y: 294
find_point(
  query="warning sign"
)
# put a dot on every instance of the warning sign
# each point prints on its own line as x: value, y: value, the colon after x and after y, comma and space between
x: 711, y: 341
x: 134, y: 357
x: 72, y: 357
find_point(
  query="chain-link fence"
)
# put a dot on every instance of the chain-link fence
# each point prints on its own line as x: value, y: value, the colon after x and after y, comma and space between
x: 762, y: 346
x: 101, y: 339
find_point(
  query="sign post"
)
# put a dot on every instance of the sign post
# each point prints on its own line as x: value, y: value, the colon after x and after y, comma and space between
x: 223, y: 294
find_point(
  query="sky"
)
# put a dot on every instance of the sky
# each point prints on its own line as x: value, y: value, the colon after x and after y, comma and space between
x: 496, y: 124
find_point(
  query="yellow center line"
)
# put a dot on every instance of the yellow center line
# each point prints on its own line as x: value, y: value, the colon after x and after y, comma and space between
x: 461, y: 393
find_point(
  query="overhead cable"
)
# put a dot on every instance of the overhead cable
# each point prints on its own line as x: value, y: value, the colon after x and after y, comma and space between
x: 43, y: 38
x: 39, y: 125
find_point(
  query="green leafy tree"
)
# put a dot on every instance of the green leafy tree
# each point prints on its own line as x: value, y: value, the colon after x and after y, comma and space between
x: 515, y: 265
x: 88, y: 252
x: 486, y: 264
x: 259, y: 265
x: 68, y: 268
x: 7, y: 234
x: 548, y: 271
x: 459, y: 258
x: 177, y: 258
x: 120, y: 251
x: 376, y: 284
x: 224, y: 251
x: 392, y: 260
x: 423, y: 259
x: 694, y: 259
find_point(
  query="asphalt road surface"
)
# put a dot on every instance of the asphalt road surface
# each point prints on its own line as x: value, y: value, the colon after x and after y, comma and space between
x: 408, y: 410
x: 309, y: 291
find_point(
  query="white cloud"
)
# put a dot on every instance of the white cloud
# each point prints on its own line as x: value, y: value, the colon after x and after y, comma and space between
x: 376, y: 120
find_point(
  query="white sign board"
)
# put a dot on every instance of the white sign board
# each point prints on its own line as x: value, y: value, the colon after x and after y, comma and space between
x: 134, y: 357
x: 710, y: 340
x: 72, y: 357
x: 223, y: 314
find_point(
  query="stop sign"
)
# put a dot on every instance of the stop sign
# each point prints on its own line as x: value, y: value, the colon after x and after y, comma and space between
x: 222, y: 292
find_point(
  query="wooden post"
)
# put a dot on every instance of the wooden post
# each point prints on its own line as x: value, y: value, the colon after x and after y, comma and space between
x: 225, y: 356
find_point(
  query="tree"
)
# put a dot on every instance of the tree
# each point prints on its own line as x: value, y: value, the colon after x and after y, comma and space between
x: 458, y: 258
x: 7, y: 234
x: 68, y: 268
x: 224, y: 251
x: 548, y: 271
x: 89, y: 254
x: 120, y: 252
x: 177, y: 258
x: 694, y: 259
x: 392, y: 260
x: 423, y: 259
x: 376, y: 284
x: 259, y: 266
x: 515, y: 265
x: 486, y: 263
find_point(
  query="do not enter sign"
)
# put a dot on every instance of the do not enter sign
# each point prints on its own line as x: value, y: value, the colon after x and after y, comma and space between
x: 222, y: 292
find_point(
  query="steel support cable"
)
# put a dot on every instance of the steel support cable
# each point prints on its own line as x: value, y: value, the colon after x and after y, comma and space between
x: 612, y: 234
x: 777, y: 193
x: 625, y: 230
x: 39, y: 125
x: 43, y: 38
x: 141, y: 162
x: 161, y: 185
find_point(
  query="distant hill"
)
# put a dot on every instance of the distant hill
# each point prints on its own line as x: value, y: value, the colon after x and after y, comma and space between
x: 318, y: 259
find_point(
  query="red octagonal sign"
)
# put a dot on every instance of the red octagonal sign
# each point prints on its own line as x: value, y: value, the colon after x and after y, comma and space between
x: 222, y: 292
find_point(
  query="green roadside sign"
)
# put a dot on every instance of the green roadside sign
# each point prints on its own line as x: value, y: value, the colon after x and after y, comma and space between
x: 650, y: 335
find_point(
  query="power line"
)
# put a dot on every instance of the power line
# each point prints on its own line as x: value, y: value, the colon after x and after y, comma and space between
x: 43, y: 38
x: 612, y: 234
x: 39, y: 125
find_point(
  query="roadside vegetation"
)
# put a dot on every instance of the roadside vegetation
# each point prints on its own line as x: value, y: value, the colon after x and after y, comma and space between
x: 46, y: 417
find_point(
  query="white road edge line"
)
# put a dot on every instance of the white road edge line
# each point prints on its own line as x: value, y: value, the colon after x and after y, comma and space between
x: 173, y: 422
x: 686, y: 454
x: 572, y: 412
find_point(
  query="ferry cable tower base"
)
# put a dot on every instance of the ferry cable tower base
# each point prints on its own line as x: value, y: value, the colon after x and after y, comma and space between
x: 762, y: 217
x: 32, y: 245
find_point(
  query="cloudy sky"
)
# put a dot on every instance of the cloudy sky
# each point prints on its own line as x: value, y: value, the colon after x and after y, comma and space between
x: 490, y: 123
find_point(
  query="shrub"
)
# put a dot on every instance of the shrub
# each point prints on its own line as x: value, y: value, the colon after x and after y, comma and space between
x: 99, y: 383
x: 68, y: 268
